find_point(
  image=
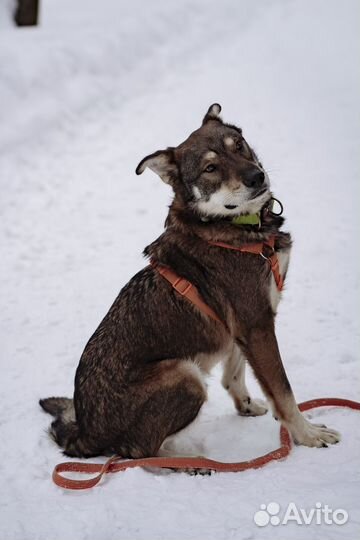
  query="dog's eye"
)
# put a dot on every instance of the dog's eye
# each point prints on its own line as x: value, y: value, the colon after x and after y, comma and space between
x: 240, y: 145
x: 210, y: 168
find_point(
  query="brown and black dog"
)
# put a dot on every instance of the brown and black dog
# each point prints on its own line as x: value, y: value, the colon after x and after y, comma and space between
x: 141, y: 375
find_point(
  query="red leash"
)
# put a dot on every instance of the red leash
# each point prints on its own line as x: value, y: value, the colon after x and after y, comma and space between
x: 114, y: 464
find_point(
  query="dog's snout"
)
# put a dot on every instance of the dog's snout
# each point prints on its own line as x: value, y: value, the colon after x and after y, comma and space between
x: 254, y: 178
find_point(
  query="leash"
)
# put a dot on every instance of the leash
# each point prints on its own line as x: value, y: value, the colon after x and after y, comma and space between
x: 117, y: 464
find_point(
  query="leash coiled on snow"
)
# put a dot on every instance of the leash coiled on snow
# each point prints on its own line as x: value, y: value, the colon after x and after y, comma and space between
x: 117, y: 464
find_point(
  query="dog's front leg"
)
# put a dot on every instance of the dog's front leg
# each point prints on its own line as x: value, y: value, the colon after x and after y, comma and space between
x: 263, y: 354
x: 233, y: 381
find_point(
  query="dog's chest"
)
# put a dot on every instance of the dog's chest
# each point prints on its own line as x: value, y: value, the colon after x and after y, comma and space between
x: 274, y: 293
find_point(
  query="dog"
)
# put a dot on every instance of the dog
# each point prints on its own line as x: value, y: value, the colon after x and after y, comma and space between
x: 141, y: 376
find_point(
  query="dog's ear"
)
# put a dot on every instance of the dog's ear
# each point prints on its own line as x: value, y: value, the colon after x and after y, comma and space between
x: 162, y: 163
x: 213, y: 113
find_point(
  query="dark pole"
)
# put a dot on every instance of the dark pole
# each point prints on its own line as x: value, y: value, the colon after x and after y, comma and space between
x: 27, y: 12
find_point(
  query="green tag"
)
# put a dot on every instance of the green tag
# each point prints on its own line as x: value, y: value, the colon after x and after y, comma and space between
x: 248, y: 219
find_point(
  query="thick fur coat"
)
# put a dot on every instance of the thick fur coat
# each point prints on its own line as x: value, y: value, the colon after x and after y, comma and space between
x: 141, y: 375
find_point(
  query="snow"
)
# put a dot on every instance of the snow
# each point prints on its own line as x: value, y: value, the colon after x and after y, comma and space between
x: 83, y: 97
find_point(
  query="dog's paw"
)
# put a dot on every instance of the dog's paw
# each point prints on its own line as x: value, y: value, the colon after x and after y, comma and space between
x: 315, y: 435
x: 192, y: 471
x: 197, y: 472
x: 248, y: 406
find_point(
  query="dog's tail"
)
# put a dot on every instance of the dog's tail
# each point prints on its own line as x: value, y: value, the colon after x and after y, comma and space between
x: 64, y: 430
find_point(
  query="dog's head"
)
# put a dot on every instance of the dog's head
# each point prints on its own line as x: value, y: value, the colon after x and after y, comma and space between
x: 214, y: 172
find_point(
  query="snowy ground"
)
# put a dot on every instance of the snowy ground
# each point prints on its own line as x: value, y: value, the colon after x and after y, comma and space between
x: 82, y: 99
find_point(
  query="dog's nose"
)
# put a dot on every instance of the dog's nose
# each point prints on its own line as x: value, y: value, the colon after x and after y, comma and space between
x: 254, y: 178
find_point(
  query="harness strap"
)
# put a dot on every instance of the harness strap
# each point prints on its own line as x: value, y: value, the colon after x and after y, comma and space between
x: 185, y: 288
x: 189, y: 291
x: 258, y: 249
x: 275, y: 268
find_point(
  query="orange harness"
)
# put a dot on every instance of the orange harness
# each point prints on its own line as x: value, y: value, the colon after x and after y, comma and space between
x: 187, y: 289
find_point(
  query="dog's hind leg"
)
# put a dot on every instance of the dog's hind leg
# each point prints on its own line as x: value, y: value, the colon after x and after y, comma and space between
x: 166, y: 399
x: 233, y: 381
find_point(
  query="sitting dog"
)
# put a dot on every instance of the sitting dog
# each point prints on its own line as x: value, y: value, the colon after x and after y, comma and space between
x: 141, y: 376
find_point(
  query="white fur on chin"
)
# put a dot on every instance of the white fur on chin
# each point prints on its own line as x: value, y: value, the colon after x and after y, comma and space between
x: 215, y: 206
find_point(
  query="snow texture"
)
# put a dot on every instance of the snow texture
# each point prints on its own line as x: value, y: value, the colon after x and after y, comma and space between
x: 83, y: 97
